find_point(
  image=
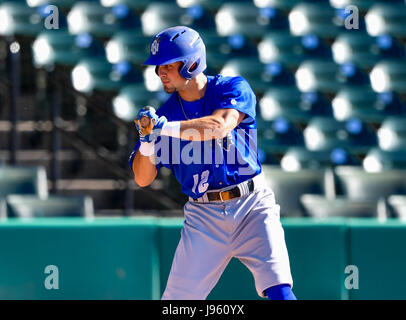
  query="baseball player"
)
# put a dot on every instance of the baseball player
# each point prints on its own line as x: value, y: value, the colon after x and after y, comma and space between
x: 205, y: 133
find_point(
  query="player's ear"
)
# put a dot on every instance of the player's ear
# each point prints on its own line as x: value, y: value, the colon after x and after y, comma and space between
x: 193, y: 67
x: 180, y: 66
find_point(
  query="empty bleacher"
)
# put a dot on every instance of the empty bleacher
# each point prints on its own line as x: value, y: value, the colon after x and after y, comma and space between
x: 331, y: 101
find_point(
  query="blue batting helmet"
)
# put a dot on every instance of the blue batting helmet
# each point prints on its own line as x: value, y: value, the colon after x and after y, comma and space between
x: 179, y: 44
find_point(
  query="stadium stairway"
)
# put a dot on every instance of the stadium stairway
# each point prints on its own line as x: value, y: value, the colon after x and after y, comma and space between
x: 82, y: 170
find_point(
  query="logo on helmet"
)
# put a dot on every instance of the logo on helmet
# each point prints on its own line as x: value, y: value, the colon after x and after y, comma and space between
x: 155, y: 46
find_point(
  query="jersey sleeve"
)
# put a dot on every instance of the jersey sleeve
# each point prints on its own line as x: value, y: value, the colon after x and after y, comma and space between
x: 237, y: 94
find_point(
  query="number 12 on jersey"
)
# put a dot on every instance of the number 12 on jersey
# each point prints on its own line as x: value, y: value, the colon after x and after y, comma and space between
x: 203, y: 184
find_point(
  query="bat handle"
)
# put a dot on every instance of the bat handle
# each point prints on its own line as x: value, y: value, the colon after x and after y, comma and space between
x: 147, y: 124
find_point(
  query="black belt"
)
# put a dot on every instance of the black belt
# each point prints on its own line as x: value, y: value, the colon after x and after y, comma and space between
x: 229, y: 194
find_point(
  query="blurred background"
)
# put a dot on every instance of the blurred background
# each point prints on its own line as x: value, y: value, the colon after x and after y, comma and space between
x: 330, y: 80
x: 329, y: 76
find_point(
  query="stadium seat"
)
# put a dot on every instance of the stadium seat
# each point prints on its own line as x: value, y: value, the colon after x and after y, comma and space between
x: 389, y: 75
x: 351, y: 74
x: 280, y: 130
x: 220, y: 49
x: 356, y: 47
x: 141, y: 5
x: 386, y: 18
x: 64, y: 5
x: 313, y: 18
x: 319, y: 206
x: 362, y: 5
x: 93, y: 18
x: 137, y: 6
x: 397, y: 206
x: 316, y: 102
x: 280, y: 46
x: 62, y: 48
x: 16, y: 18
x: 377, y: 160
x: 324, y: 133
x: 246, y: 18
x: 291, y: 50
x: 297, y: 158
x: 365, y: 104
x: 356, y: 183
x: 267, y: 158
x: 318, y: 75
x: 132, y: 98
x: 328, y: 77
x: 292, y: 104
x: 289, y: 186
x: 260, y: 76
x: 285, y: 5
x: 211, y: 5
x: 389, y: 47
x: 128, y: 45
x: 277, y: 136
x: 24, y: 206
x: 97, y: 74
x: 23, y: 180
x: 160, y: 15
x: 392, y: 134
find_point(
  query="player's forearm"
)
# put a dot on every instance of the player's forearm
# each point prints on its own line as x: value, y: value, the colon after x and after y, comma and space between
x: 202, y: 129
x: 144, y: 170
x: 215, y: 126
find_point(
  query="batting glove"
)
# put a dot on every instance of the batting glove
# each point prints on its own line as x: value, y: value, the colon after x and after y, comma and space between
x: 153, y: 130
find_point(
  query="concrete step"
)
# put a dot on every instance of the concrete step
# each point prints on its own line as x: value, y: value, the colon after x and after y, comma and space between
x: 72, y: 164
x: 38, y: 134
x: 33, y: 134
x: 108, y: 194
x: 34, y: 107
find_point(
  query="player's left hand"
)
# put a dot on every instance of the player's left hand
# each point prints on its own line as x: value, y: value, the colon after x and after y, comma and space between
x: 152, y: 129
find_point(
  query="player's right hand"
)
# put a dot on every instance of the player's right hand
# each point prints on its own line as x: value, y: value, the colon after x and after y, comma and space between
x: 150, y: 131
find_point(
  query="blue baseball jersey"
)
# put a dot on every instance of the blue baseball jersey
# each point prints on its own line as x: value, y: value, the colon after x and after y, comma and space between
x: 207, y: 165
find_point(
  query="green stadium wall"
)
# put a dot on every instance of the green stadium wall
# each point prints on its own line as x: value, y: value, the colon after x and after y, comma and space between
x: 130, y: 258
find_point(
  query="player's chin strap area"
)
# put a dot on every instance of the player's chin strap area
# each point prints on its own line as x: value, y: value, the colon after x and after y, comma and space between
x: 235, y: 191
